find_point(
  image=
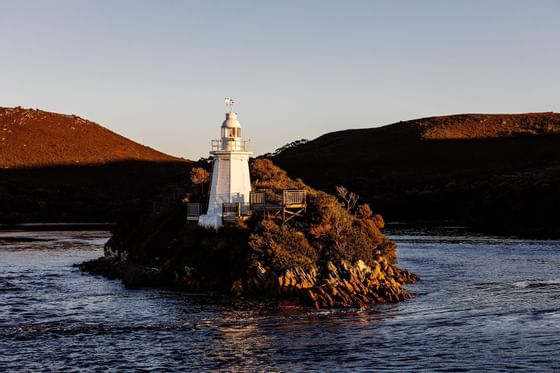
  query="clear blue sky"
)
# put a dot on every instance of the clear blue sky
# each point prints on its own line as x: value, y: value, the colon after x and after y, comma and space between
x: 157, y: 71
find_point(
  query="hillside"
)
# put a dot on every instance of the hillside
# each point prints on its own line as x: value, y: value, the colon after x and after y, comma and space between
x: 495, y: 172
x: 480, y: 126
x: 32, y: 138
x: 62, y: 168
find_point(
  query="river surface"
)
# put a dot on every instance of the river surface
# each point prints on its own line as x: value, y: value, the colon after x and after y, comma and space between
x: 484, y: 304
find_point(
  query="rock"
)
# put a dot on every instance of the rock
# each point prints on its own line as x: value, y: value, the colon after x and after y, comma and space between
x: 139, y: 276
x: 237, y: 288
x: 342, y: 284
x: 337, y: 284
x: 348, y: 286
x: 332, y: 271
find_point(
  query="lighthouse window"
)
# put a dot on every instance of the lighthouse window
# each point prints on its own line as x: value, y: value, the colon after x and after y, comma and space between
x: 231, y: 132
x: 226, y: 132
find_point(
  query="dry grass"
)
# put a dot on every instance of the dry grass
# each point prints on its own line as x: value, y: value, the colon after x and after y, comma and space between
x: 33, y: 138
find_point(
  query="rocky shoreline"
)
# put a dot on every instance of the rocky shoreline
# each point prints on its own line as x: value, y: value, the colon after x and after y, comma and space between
x: 333, y: 285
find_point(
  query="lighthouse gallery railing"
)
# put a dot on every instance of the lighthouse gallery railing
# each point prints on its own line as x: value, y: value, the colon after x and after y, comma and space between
x: 231, y: 145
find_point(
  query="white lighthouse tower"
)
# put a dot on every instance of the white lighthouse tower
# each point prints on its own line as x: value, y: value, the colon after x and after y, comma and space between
x: 231, y: 182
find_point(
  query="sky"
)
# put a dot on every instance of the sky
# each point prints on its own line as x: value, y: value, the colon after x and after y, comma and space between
x: 157, y: 71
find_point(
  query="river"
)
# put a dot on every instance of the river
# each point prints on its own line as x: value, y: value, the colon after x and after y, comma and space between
x: 484, y: 303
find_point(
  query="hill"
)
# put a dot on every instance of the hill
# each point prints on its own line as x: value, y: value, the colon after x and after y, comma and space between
x: 62, y: 168
x: 33, y: 138
x: 480, y: 126
x: 499, y: 173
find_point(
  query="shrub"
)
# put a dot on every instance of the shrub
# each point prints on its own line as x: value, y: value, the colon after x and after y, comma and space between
x: 282, y: 246
x: 328, y: 232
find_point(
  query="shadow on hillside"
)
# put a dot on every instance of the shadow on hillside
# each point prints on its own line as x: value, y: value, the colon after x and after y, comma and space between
x: 505, y: 185
x: 89, y: 193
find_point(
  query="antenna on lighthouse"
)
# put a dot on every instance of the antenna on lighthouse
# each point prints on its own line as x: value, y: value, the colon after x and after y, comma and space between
x: 229, y: 103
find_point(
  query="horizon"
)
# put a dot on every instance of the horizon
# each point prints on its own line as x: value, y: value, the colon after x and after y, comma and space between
x: 158, y: 75
x: 272, y: 150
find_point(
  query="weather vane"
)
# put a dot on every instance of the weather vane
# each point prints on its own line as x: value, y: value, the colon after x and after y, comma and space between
x: 229, y: 103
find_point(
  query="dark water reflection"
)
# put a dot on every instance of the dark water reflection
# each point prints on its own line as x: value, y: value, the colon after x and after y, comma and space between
x: 484, y: 304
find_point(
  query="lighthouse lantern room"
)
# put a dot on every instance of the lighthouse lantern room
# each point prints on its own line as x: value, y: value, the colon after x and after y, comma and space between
x: 231, y: 182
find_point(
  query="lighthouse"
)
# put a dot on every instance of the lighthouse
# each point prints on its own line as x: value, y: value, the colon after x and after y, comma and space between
x: 231, y: 182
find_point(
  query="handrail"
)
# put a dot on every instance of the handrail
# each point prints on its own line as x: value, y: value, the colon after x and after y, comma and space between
x: 294, y: 203
x: 231, y: 145
x: 293, y: 197
x: 193, y: 211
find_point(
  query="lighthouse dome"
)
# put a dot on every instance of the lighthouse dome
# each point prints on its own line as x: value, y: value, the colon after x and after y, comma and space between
x: 231, y: 121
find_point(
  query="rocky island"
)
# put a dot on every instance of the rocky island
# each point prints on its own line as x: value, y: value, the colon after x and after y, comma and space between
x: 333, y: 256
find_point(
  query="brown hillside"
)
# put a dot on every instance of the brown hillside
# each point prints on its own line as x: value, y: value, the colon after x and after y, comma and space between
x: 62, y: 168
x: 479, y: 126
x: 32, y: 138
x: 500, y: 172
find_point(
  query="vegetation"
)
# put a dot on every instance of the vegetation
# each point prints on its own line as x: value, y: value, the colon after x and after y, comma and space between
x: 291, y: 145
x: 36, y: 138
x: 495, y: 173
x: 62, y: 168
x: 119, y: 191
x: 200, y: 177
x: 328, y: 232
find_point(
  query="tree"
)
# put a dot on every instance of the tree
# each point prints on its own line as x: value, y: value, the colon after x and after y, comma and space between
x: 199, y: 176
x: 363, y: 211
x: 349, y: 198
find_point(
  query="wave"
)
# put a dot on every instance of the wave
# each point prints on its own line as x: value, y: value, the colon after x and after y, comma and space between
x: 537, y: 283
x: 9, y: 288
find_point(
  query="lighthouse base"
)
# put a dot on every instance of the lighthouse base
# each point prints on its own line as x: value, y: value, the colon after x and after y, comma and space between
x: 210, y: 221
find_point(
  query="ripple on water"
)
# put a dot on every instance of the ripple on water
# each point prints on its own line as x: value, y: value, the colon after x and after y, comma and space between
x: 485, y: 303
x: 537, y: 283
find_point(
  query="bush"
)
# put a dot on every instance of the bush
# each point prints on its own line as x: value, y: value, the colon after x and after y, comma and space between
x: 328, y: 232
x: 283, y: 246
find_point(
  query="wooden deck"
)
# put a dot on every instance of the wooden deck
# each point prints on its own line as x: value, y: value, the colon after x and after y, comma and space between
x: 292, y: 205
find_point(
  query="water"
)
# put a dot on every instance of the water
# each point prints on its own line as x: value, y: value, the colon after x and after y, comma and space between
x: 484, y: 304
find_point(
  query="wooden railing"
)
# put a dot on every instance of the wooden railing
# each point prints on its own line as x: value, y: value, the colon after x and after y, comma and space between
x: 256, y: 198
x: 193, y: 211
x: 234, y: 211
x: 293, y: 198
x: 294, y: 203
